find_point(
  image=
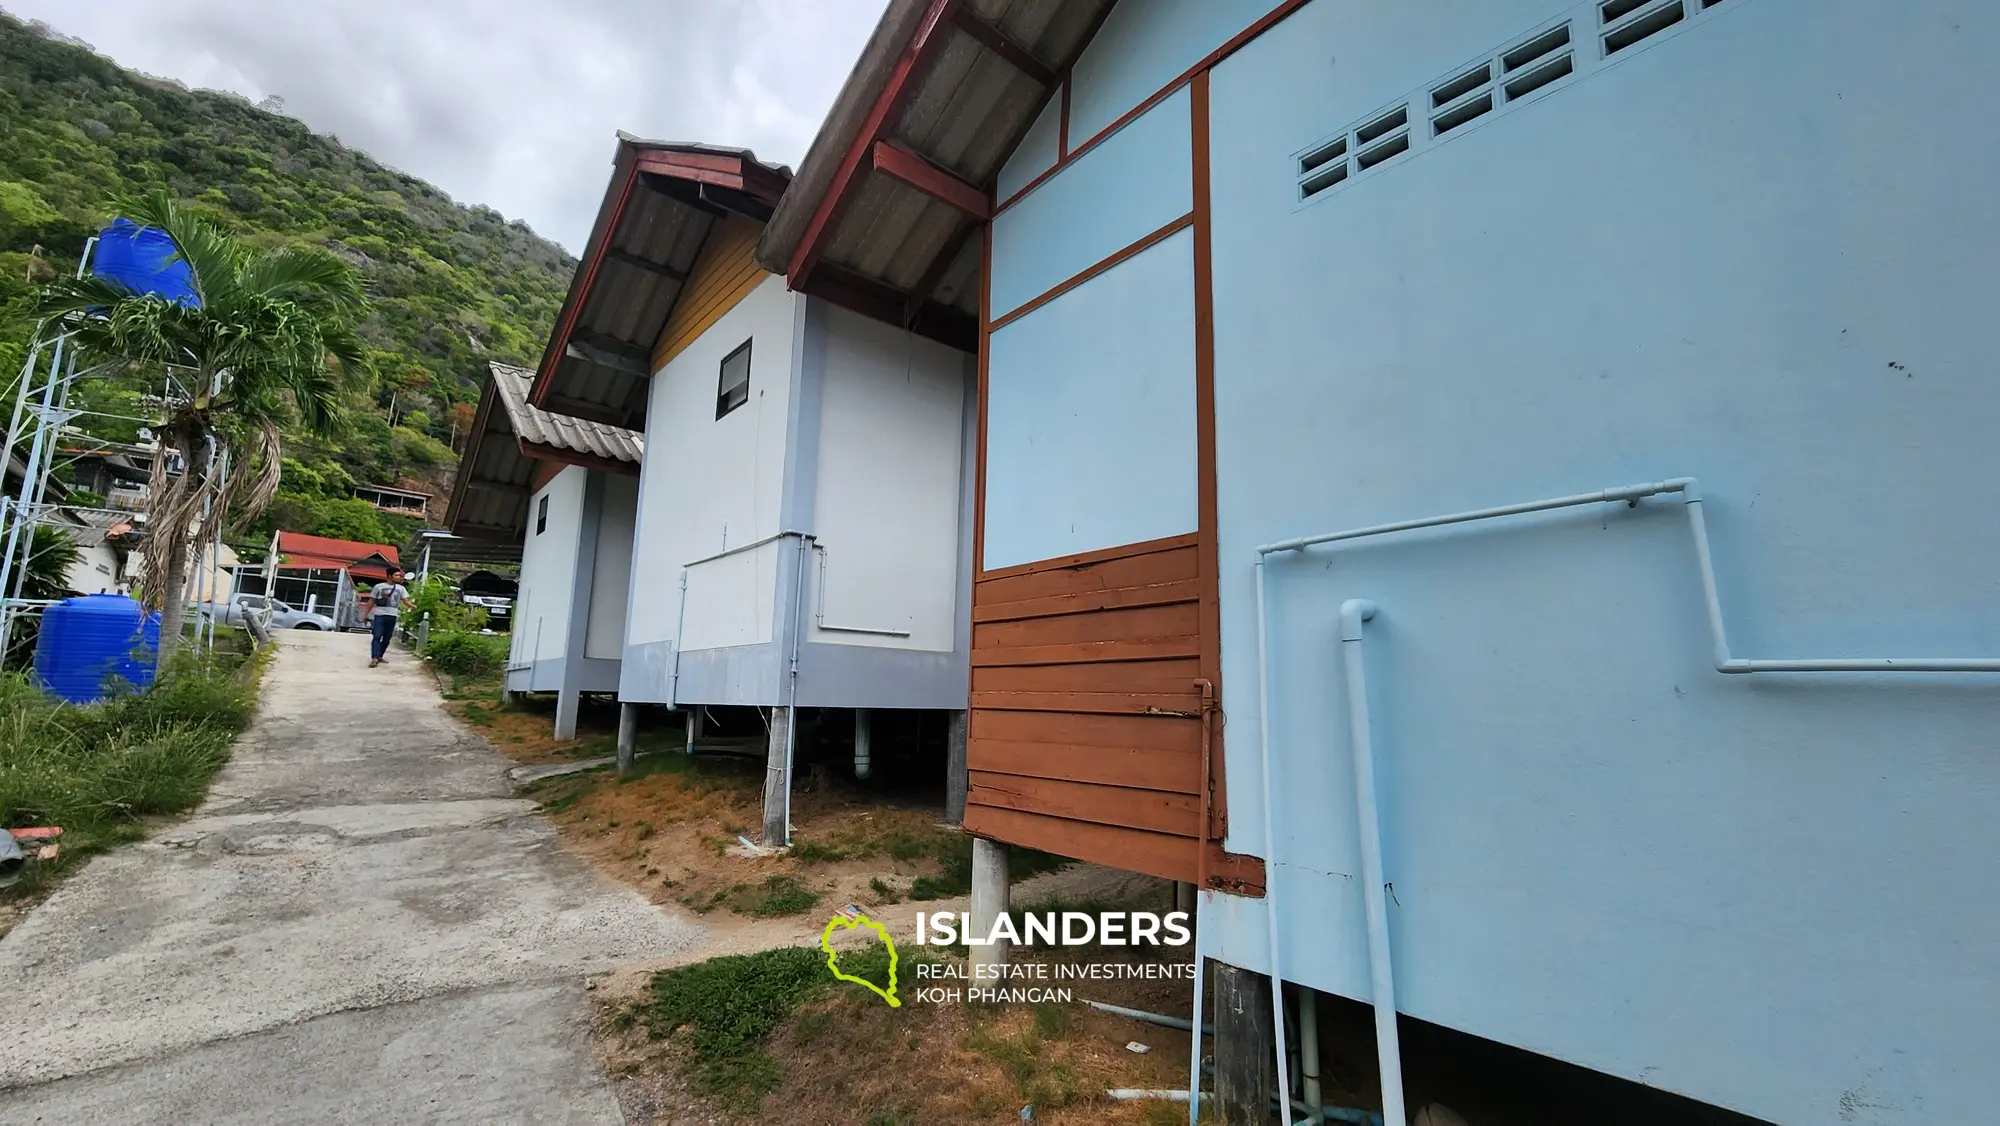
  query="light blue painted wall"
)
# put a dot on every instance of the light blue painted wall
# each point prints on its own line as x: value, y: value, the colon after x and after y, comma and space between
x: 1035, y: 154
x: 1143, y: 45
x: 1090, y: 430
x: 1116, y: 194
x: 1759, y: 252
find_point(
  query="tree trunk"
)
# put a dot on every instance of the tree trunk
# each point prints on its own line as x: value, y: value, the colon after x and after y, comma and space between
x: 173, y: 606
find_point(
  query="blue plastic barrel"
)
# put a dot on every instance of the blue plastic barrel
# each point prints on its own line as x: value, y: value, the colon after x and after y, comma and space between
x: 88, y: 644
x: 145, y: 259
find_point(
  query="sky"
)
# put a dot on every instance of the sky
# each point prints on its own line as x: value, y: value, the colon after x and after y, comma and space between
x: 511, y: 103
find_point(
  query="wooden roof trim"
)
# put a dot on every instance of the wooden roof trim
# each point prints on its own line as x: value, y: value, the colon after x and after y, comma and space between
x: 541, y: 452
x: 894, y: 159
x: 913, y: 60
x: 1000, y: 43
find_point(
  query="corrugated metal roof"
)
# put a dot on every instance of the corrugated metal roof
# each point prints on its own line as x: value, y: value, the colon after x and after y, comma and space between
x: 489, y: 500
x: 560, y: 431
x: 663, y: 200
x: 964, y: 109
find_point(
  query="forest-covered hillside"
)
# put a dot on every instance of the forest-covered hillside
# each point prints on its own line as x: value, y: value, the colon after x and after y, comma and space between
x: 452, y: 286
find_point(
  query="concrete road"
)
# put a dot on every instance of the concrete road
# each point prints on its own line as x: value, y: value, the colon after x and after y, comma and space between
x: 361, y: 924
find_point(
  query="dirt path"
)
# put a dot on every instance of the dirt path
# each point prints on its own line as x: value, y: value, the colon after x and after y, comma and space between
x: 361, y: 924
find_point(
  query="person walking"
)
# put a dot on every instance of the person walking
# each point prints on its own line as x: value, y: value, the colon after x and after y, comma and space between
x: 388, y: 598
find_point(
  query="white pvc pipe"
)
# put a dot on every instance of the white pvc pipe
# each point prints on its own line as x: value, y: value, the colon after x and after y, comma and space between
x: 1270, y: 834
x: 863, y: 764
x: 1374, y: 884
x: 1194, y: 1042
x: 1356, y: 611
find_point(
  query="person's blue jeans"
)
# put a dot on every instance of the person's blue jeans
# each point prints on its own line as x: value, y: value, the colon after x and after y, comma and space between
x: 383, y: 627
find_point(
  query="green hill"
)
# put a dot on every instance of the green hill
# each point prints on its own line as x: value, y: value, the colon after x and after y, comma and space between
x: 453, y: 286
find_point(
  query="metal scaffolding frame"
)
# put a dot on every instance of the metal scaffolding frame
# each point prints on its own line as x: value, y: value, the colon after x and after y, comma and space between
x: 46, y: 411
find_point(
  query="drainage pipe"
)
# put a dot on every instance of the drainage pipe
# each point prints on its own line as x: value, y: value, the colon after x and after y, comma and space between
x: 1270, y: 833
x: 1309, y: 1051
x: 674, y: 674
x: 1161, y: 1019
x: 862, y: 766
x: 1356, y: 611
x: 1374, y: 886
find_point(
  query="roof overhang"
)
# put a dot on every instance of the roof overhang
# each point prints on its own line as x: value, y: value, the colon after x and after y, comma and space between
x: 885, y: 213
x: 489, y: 499
x: 657, y: 210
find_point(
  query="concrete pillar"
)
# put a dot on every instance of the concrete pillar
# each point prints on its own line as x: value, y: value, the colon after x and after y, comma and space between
x: 693, y: 728
x: 567, y: 701
x: 954, y: 770
x: 1185, y: 898
x: 778, y: 781
x: 989, y: 898
x: 628, y: 736
x: 1246, y: 1073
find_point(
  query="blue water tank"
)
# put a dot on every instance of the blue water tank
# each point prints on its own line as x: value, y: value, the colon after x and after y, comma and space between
x: 145, y: 259
x: 85, y: 642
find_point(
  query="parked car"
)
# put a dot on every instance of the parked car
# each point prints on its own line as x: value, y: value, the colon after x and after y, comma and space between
x: 272, y: 612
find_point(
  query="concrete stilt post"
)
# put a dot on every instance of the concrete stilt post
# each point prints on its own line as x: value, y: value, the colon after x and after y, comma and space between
x: 954, y: 771
x: 989, y: 898
x: 1246, y: 1074
x: 778, y: 781
x: 1184, y: 896
x: 693, y: 728
x: 628, y: 736
x: 567, y: 702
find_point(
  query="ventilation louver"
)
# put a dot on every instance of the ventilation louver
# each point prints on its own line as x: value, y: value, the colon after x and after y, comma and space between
x: 1542, y: 60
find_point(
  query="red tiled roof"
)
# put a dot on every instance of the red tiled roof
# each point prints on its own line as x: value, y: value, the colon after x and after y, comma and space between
x: 342, y: 552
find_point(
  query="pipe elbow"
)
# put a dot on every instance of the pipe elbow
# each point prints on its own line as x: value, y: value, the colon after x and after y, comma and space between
x: 1353, y: 612
x: 1689, y: 488
x: 1734, y: 666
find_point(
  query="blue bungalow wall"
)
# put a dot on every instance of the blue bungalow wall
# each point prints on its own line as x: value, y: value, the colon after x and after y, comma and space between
x: 1756, y: 249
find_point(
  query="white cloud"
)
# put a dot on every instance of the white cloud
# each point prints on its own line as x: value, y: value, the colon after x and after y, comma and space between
x: 510, y: 103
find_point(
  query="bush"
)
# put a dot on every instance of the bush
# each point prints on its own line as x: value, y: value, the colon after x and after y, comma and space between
x: 97, y: 769
x: 463, y: 653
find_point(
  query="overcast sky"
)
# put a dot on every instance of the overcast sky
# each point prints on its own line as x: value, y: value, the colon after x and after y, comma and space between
x: 510, y: 103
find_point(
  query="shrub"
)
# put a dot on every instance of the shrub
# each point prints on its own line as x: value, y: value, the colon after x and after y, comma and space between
x: 462, y: 653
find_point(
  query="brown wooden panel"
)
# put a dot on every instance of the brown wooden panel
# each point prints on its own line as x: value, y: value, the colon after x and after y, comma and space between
x: 1155, y: 811
x: 1135, y: 767
x: 724, y: 273
x: 1158, y: 594
x: 544, y: 472
x: 1146, y: 732
x: 1135, y: 850
x: 1147, y: 569
x: 1139, y: 623
x: 1086, y: 652
x: 1186, y: 704
x: 1176, y: 675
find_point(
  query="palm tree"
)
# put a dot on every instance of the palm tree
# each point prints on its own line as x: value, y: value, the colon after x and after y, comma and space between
x: 269, y: 342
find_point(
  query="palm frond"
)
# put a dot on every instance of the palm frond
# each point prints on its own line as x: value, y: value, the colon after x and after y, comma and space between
x: 309, y: 277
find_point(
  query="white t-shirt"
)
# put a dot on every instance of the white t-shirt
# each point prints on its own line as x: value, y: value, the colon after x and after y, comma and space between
x: 388, y: 598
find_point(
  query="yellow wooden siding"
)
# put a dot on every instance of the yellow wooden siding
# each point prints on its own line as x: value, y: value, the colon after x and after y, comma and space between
x: 724, y: 273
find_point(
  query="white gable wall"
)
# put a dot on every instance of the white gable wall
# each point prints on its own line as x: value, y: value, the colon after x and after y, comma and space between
x: 709, y: 484
x: 548, y: 572
x: 886, y: 498
x: 611, y: 577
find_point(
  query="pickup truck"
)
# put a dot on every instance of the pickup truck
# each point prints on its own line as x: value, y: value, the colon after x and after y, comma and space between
x: 273, y: 613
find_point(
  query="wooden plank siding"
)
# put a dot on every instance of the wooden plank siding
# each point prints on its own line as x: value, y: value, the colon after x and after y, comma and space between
x: 723, y: 274
x: 1086, y: 733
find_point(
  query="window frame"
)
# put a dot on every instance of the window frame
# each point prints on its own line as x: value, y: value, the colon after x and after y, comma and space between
x: 542, y: 514
x: 723, y: 405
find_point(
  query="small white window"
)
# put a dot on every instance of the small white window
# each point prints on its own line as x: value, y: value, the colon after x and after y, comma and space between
x: 733, y: 388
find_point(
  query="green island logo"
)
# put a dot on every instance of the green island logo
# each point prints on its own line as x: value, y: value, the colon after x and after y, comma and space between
x: 842, y: 920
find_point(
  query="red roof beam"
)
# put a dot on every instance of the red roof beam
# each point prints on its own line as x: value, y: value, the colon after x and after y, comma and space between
x: 1005, y: 46
x: 893, y: 159
x: 916, y: 54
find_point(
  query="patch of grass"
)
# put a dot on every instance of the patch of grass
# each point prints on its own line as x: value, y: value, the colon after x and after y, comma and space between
x: 1047, y: 1085
x: 775, y: 897
x: 100, y: 770
x: 463, y: 653
x: 728, y: 1008
x: 884, y: 893
x: 813, y: 852
x: 1051, y: 1021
